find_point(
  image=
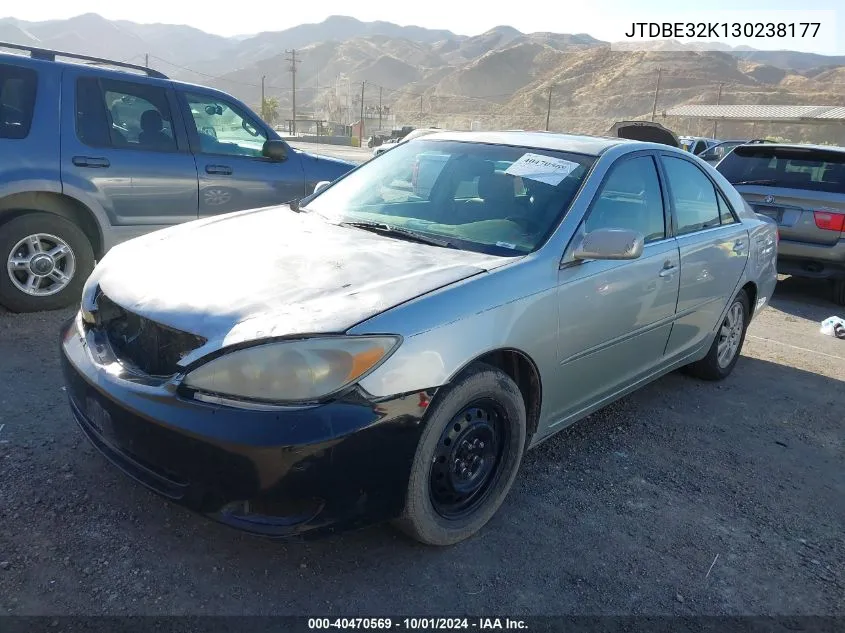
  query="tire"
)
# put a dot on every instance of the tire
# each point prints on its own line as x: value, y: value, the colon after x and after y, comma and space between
x: 52, y: 291
x: 709, y: 367
x: 839, y: 292
x: 454, y: 420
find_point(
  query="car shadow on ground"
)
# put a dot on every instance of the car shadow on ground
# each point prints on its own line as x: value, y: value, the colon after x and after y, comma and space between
x: 806, y: 298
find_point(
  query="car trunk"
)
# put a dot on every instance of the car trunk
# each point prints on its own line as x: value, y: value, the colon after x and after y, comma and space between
x: 802, y: 189
x: 647, y: 131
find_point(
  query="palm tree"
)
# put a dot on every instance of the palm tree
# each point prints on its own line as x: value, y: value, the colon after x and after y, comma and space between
x: 270, y: 110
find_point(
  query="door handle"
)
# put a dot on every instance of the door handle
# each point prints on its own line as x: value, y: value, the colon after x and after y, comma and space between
x: 668, y: 270
x: 88, y: 161
x: 219, y: 170
x: 739, y: 246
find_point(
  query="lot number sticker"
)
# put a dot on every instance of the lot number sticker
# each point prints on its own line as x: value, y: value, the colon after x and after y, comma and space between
x: 541, y: 168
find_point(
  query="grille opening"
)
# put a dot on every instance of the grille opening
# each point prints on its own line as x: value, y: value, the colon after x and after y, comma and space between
x: 143, y: 344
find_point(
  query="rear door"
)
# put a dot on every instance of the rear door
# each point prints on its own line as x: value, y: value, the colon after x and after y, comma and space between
x: 713, y: 246
x: 123, y: 143
x: 803, y: 189
x: 227, y: 141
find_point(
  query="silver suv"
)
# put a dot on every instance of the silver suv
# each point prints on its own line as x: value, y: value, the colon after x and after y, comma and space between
x: 94, y: 153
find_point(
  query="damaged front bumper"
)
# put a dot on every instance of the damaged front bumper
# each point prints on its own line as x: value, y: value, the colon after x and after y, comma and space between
x: 283, y: 472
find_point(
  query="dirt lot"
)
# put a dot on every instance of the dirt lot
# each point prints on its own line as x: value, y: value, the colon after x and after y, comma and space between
x: 685, y: 498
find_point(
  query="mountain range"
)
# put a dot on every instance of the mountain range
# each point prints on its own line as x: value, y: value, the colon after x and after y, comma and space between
x: 501, y: 78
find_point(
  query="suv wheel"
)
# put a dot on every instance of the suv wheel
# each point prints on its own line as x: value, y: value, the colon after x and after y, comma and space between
x: 47, y: 260
x: 839, y: 292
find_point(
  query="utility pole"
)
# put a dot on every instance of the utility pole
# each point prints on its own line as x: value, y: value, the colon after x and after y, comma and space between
x: 421, y: 109
x: 716, y: 121
x: 656, y: 92
x: 263, y: 111
x: 549, y: 109
x: 361, y: 131
x: 293, y: 62
x: 147, y: 60
x: 379, y: 108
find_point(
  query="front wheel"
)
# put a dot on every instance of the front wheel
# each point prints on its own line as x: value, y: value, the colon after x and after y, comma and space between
x: 46, y: 259
x: 467, y: 458
x: 727, y: 345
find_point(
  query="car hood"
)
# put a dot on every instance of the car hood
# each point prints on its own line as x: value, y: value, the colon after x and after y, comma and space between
x: 272, y: 272
x: 648, y: 131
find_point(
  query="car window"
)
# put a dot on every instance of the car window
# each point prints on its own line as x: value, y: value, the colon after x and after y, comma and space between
x: 807, y: 168
x: 17, y: 100
x: 224, y: 128
x: 630, y: 199
x: 726, y: 215
x: 123, y: 114
x: 693, y: 195
x: 488, y: 198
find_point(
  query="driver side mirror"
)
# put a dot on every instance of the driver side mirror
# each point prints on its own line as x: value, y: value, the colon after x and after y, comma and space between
x: 275, y: 150
x: 611, y: 244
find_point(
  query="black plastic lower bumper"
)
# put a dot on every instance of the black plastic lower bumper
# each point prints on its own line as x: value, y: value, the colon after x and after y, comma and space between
x: 279, y: 473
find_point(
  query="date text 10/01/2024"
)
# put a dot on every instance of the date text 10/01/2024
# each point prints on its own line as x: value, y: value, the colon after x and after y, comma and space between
x: 417, y: 624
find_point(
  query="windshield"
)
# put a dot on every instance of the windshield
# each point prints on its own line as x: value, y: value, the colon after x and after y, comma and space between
x: 488, y: 198
x: 791, y: 167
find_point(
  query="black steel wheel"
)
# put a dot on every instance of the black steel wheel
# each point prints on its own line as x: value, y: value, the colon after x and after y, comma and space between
x: 467, y: 457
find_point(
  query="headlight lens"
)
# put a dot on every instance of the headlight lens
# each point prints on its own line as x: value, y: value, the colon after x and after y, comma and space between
x: 303, y: 370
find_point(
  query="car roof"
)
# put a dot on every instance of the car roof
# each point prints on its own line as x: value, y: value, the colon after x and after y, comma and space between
x: 581, y: 144
x: 829, y: 148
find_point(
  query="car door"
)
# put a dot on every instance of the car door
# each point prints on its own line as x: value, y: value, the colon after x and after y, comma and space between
x: 615, y: 316
x: 227, y: 141
x: 713, y: 246
x: 123, y: 143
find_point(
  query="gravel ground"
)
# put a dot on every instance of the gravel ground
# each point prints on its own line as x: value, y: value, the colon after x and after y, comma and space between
x: 684, y: 498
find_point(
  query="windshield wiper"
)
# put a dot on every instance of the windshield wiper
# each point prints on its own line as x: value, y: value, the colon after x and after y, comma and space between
x: 397, y: 231
x: 762, y: 181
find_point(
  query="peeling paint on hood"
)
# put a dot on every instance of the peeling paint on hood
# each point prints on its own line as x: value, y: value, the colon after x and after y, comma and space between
x: 272, y: 272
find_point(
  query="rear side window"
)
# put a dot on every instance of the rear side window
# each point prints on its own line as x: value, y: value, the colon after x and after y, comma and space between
x: 693, y: 195
x: 123, y: 114
x: 17, y: 100
x: 792, y: 167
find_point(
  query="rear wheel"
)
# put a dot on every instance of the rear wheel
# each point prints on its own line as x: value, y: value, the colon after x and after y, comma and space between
x: 839, y: 292
x: 467, y: 458
x: 46, y: 259
x: 727, y: 345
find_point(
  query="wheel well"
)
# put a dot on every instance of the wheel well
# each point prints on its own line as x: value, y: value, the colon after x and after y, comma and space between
x: 751, y: 292
x: 64, y: 206
x: 526, y: 376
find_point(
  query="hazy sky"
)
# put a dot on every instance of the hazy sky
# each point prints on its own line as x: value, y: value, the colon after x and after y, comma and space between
x: 604, y: 19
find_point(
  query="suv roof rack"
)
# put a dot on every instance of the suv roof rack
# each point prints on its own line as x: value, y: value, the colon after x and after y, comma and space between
x: 50, y: 55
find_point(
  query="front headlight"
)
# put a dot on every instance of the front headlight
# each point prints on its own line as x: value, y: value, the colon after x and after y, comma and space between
x: 294, y: 371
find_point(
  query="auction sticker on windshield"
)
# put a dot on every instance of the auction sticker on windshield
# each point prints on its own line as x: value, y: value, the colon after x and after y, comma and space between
x: 541, y: 168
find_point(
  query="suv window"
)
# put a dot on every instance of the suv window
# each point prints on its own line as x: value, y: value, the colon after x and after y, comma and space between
x: 630, y: 199
x: 813, y: 169
x: 224, y: 128
x: 123, y: 114
x: 693, y: 195
x: 17, y: 100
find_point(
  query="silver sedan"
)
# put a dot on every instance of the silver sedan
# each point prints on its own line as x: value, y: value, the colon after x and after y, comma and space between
x: 389, y: 347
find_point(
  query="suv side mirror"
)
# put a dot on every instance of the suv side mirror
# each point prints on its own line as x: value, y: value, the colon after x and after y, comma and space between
x: 275, y: 150
x: 610, y: 244
x: 321, y: 185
